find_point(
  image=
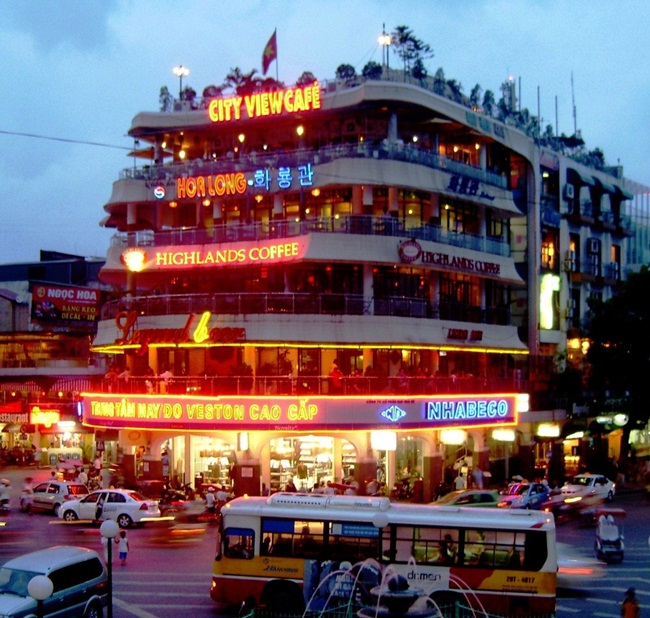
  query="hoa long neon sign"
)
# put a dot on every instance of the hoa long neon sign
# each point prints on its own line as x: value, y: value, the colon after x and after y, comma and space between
x: 264, y: 104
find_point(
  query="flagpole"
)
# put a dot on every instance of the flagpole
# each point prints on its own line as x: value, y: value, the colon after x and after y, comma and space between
x: 277, y: 72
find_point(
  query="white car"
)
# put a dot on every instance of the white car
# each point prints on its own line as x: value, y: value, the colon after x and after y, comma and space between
x: 124, y: 506
x: 591, y: 488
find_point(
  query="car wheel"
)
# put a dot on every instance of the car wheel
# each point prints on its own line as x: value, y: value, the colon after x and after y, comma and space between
x: 56, y: 509
x: 610, y: 496
x: 94, y: 610
x: 70, y: 516
x: 124, y: 521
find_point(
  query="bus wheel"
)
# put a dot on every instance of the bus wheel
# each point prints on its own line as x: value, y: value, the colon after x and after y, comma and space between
x: 247, y: 607
x: 285, y: 597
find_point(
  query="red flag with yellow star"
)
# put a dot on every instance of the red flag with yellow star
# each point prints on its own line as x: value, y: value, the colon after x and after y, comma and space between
x: 270, y: 53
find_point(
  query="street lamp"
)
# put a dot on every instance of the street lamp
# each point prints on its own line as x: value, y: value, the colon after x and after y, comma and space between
x: 109, y: 530
x: 181, y: 72
x: 385, y: 40
x: 40, y: 587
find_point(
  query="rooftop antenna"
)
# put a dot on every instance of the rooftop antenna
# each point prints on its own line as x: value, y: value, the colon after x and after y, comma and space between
x: 573, y: 101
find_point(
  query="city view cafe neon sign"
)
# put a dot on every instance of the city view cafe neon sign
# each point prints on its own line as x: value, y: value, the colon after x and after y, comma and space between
x: 296, y: 413
x: 265, y: 104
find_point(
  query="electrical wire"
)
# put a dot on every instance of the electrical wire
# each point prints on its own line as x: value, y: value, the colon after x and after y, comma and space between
x: 63, y: 139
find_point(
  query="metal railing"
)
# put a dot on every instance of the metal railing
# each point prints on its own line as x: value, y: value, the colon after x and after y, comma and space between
x: 367, y: 225
x: 310, y: 385
x: 305, y: 304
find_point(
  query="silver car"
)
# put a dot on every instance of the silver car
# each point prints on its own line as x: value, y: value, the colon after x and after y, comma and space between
x: 49, y: 496
x: 79, y: 578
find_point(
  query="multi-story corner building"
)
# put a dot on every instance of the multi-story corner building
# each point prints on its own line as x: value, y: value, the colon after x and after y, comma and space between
x: 48, y: 318
x: 338, y: 280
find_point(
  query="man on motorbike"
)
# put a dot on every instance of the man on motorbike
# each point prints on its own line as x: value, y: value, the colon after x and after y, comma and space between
x: 4, y: 494
x: 27, y: 495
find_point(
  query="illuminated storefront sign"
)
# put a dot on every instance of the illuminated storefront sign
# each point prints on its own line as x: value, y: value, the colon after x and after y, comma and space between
x: 233, y: 254
x: 410, y: 251
x: 64, y: 304
x: 235, y: 183
x: 265, y: 104
x: 296, y: 413
x: 44, y: 417
x: 126, y: 322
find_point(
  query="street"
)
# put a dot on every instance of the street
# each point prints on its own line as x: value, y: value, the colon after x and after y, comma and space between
x: 168, y: 571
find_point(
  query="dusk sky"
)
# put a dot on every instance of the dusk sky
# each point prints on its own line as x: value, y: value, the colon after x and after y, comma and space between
x: 77, y: 71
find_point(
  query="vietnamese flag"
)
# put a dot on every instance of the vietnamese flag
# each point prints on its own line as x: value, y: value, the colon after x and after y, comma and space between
x: 270, y: 53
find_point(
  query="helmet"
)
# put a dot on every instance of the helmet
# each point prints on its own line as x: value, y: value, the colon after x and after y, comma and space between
x: 6, y: 482
x: 210, y: 488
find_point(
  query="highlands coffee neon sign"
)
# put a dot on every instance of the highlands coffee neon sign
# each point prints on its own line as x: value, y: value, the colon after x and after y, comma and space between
x: 264, y: 104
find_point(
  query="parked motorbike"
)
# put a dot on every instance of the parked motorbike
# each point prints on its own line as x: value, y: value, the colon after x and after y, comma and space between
x: 4, y: 495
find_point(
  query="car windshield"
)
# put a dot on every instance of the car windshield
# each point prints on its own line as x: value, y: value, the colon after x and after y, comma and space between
x: 517, y: 490
x: 14, y: 581
x: 449, y: 498
x: 137, y: 496
x: 78, y: 490
x: 581, y: 480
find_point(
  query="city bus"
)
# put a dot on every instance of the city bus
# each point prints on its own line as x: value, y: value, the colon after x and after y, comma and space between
x: 293, y: 552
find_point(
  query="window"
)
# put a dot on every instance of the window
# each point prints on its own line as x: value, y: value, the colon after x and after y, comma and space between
x: 238, y: 543
x: 115, y: 497
x: 76, y: 574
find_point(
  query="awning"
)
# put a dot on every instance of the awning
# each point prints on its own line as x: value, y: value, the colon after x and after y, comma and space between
x: 626, y: 195
x: 605, y: 186
x: 575, y: 175
x: 11, y: 428
x: 573, y: 426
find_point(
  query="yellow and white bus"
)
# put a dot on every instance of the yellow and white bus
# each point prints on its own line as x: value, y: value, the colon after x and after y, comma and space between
x: 297, y: 551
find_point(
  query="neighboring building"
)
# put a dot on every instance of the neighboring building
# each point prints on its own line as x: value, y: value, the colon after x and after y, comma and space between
x: 425, y: 251
x: 48, y: 317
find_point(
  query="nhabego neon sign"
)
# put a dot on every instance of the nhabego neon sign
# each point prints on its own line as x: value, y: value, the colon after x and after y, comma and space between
x: 264, y: 104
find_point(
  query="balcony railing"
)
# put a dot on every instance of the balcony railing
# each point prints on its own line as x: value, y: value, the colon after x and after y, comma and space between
x: 251, y: 162
x: 286, y: 228
x: 296, y: 304
x: 310, y: 385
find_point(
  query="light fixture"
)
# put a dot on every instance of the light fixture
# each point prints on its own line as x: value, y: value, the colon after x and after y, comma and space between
x: 258, y: 198
x: 300, y: 130
x: 504, y: 435
x: 181, y: 154
x: 181, y: 72
x: 242, y: 441
x: 383, y: 440
x: 206, y: 202
x: 173, y: 204
x: 241, y: 137
x: 548, y: 430
x: 315, y: 192
x: 453, y: 436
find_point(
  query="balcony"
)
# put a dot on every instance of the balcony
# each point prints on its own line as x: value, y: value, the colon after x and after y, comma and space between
x: 314, y: 385
x: 286, y: 228
x: 301, y: 304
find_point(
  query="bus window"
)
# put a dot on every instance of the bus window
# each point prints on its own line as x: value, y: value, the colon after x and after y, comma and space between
x: 503, y: 550
x: 238, y: 543
x: 353, y: 542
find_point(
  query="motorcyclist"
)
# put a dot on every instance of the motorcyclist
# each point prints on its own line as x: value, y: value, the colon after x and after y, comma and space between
x: 27, y: 495
x: 4, y: 494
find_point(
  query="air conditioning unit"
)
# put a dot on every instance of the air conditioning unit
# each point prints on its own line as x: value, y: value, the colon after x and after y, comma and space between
x: 570, y: 261
x: 569, y: 191
x: 593, y: 246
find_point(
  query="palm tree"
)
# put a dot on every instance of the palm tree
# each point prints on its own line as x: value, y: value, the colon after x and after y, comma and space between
x: 306, y: 79
x: 240, y: 83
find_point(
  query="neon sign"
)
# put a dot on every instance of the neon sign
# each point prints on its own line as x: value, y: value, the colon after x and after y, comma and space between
x: 125, y: 322
x: 211, y: 186
x: 411, y: 251
x: 286, y: 413
x: 264, y: 104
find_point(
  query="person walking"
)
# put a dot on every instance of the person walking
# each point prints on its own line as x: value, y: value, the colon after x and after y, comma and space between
x: 122, y: 543
x: 630, y: 606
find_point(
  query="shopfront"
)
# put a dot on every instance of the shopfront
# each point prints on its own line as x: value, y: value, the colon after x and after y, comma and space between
x: 311, y: 440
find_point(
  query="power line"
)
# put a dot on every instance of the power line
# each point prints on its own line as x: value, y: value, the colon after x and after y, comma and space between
x: 63, y: 139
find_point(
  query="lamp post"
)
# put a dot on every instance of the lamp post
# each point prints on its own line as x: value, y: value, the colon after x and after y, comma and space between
x: 181, y: 72
x: 109, y: 530
x: 40, y: 587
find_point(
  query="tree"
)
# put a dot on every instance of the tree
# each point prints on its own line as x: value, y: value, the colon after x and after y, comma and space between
x: 210, y: 92
x: 456, y: 89
x: 488, y: 103
x: 239, y: 82
x: 165, y: 99
x: 346, y: 73
x: 409, y: 48
x: 419, y: 71
x: 439, y: 82
x: 306, y: 79
x: 475, y: 97
x: 619, y: 363
x: 372, y: 70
